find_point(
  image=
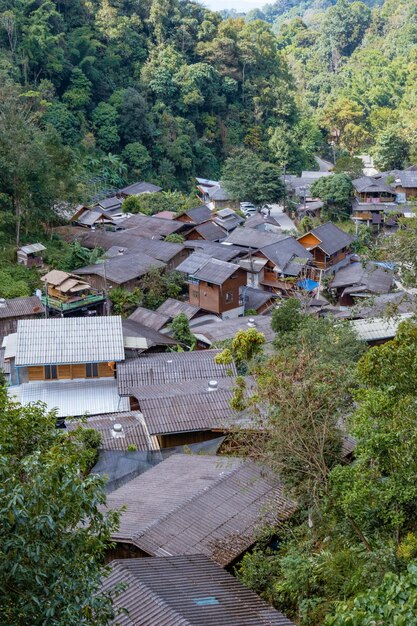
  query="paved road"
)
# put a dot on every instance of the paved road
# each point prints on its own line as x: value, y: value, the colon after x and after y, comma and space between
x: 282, y: 218
x: 324, y: 166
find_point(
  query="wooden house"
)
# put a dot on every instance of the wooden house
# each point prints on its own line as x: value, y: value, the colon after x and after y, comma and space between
x: 372, y: 190
x: 66, y: 294
x: 207, y: 231
x: 330, y: 247
x: 217, y: 503
x: 137, y: 189
x: 67, y: 348
x: 11, y: 311
x: 197, y: 215
x: 357, y: 281
x: 283, y: 262
x: 31, y: 255
x: 214, y: 195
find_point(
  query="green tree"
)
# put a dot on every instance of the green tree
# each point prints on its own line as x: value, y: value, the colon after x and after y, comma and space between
x: 337, y: 193
x: 391, y: 150
x: 352, y: 166
x: 246, y: 177
x: 124, y: 302
x: 246, y: 345
x: 105, y: 123
x: 287, y: 317
x: 180, y: 329
x: 53, y: 532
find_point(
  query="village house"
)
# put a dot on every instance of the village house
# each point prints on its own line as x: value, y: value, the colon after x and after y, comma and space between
x: 207, y: 231
x: 195, y: 216
x: 223, y: 251
x: 172, y: 367
x: 404, y: 182
x: 330, y: 247
x: 31, y: 255
x: 188, y: 590
x: 137, y: 189
x: 138, y: 339
x: 124, y: 270
x: 212, y: 332
x: 228, y: 219
x: 216, y: 506
x: 191, y: 411
x: 214, y: 196
x: 164, y: 314
x: 378, y: 330
x: 91, y: 217
x: 214, y: 285
x: 68, y: 363
x: 152, y: 227
x: 357, y: 281
x: 253, y: 239
x: 15, y: 309
x: 65, y: 294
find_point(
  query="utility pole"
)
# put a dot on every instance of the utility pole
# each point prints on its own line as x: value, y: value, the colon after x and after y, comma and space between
x: 285, y: 188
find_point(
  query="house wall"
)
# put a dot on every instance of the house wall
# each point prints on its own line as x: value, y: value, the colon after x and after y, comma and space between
x: 194, y: 236
x: 218, y: 298
x: 70, y: 371
x: 181, y: 439
x: 226, y: 204
x: 178, y: 258
x: 8, y: 325
x: 308, y: 240
x: 409, y: 193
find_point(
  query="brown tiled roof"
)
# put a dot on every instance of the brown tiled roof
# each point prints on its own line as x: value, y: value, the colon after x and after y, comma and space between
x: 21, y: 307
x: 185, y: 591
x: 199, y: 505
x: 134, y: 431
x: 172, y: 367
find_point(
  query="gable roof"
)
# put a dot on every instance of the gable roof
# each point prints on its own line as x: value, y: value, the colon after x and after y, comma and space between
x: 252, y: 238
x: 155, y: 225
x: 222, y: 251
x: 69, y: 340
x: 227, y: 329
x: 256, y: 298
x: 32, y: 248
x: 288, y: 255
x: 139, y: 336
x: 20, y: 307
x: 210, y: 231
x: 123, y: 268
x: 154, y: 369
x: 332, y: 239
x: 369, y: 184
x: 198, y: 214
x: 217, y: 193
x: 192, y: 264
x: 215, y: 271
x: 371, y: 278
x: 185, y: 591
x: 133, y: 430
x: 172, y: 308
x: 379, y: 328
x: 215, y: 511
x: 141, y: 187
x: 149, y: 318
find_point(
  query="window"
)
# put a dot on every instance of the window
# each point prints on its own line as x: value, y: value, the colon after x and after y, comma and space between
x: 91, y: 370
x: 229, y: 297
x: 51, y: 372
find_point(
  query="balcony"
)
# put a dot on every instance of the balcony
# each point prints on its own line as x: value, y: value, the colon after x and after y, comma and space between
x: 63, y: 307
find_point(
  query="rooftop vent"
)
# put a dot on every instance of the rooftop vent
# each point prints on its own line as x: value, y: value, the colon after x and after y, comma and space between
x: 212, y: 385
x: 117, y: 430
x: 251, y: 322
x: 3, y: 303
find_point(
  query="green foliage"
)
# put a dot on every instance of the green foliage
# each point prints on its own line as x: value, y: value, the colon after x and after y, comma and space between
x: 124, y: 302
x: 400, y: 248
x: 152, y: 203
x: 174, y: 238
x: 158, y: 285
x: 53, y: 532
x: 245, y: 347
x: 246, y: 177
x: 352, y: 166
x: 337, y: 193
x: 180, y: 328
x: 287, y: 317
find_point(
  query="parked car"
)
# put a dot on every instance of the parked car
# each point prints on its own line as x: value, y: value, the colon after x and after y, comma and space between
x: 248, y: 209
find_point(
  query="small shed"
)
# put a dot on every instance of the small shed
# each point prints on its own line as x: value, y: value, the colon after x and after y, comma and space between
x: 31, y: 255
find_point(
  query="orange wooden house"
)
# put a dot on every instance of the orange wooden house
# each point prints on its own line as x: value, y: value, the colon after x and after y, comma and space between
x: 330, y: 246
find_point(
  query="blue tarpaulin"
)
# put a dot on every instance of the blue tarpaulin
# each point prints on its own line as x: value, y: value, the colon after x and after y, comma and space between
x: 307, y: 284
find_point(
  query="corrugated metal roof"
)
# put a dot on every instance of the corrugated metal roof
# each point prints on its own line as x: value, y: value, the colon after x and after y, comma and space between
x: 34, y: 247
x: 132, y: 329
x: 156, y: 369
x: 227, y: 329
x: 378, y: 328
x: 210, y: 231
x: 76, y: 398
x: 215, y: 271
x: 69, y: 340
x: 185, y: 591
x: 172, y: 308
x: 199, y: 214
x: 215, y: 250
x: 140, y: 187
x: 189, y: 387
x: 284, y: 253
x: 149, y: 318
x: 133, y: 431
x: 20, y: 307
x: 193, y: 263
x: 370, y: 277
x: 121, y: 269
x: 199, y: 505
x: 331, y: 237
x: 252, y: 238
x: 155, y: 225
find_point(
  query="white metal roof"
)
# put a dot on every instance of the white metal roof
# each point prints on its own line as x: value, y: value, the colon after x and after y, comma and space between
x: 69, y: 340
x: 379, y: 327
x: 34, y: 247
x: 75, y: 398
